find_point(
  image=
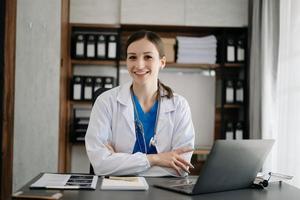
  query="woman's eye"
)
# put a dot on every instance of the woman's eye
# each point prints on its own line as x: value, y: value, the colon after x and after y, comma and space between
x: 131, y: 57
x: 148, y: 57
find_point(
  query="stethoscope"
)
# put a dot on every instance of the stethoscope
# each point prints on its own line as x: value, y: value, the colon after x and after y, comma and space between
x: 261, y: 183
x: 139, y: 126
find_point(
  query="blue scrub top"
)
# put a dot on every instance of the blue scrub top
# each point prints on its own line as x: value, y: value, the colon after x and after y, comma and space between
x: 148, y: 121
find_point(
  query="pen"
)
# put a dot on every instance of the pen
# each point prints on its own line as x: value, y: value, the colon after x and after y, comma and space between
x: 122, y: 178
x: 283, y: 176
x: 63, y: 187
x: 57, y: 187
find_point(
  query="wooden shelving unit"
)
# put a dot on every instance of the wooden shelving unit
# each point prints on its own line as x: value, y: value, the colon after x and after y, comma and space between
x: 222, y: 110
x: 92, y: 62
x: 185, y: 65
x: 234, y: 65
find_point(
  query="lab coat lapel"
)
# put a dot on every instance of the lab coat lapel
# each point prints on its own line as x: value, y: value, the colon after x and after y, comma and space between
x: 126, y: 106
x: 167, y: 106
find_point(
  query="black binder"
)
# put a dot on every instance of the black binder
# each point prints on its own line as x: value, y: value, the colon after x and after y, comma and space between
x: 108, y: 82
x: 77, y: 87
x: 91, y: 46
x: 112, y: 47
x: 239, y: 130
x: 240, y: 49
x: 229, y: 91
x: 88, y: 88
x: 239, y: 91
x: 230, y: 50
x: 98, y: 83
x: 79, y: 46
x: 229, y: 131
x: 101, y: 46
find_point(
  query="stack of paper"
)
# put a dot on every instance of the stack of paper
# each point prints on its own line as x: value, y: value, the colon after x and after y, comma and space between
x: 197, y: 49
x: 65, y: 181
x: 124, y: 183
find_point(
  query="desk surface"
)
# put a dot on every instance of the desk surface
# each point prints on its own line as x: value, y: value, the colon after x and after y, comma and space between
x: 273, y: 192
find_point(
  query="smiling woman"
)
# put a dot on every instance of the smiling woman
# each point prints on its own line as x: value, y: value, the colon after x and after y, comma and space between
x: 141, y: 127
x: 144, y: 63
x: 146, y: 55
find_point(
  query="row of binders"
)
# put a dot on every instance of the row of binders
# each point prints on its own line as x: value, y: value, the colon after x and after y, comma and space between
x: 234, y: 131
x: 103, y: 45
x: 85, y: 87
x: 94, y: 45
x: 197, y: 49
x: 80, y: 124
x: 235, y: 49
x: 234, y: 91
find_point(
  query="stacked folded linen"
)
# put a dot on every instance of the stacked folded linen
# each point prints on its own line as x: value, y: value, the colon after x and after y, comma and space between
x: 197, y: 49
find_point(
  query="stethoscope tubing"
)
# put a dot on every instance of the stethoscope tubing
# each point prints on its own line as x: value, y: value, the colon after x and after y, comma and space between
x: 138, y: 122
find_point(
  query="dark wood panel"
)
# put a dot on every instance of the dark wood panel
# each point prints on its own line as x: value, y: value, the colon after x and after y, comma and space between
x: 2, y: 20
x: 65, y: 73
x: 8, y: 104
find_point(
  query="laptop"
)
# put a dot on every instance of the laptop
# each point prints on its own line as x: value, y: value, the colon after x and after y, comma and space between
x: 231, y: 165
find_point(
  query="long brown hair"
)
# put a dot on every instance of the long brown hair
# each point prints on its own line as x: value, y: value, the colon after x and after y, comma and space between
x: 156, y: 40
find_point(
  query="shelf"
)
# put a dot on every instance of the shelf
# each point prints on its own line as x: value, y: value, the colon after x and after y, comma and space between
x: 234, y: 65
x: 78, y: 142
x: 233, y: 105
x: 201, y: 152
x: 87, y: 103
x: 230, y: 106
x: 93, y: 62
x: 174, y: 29
x: 186, y: 65
x: 85, y: 25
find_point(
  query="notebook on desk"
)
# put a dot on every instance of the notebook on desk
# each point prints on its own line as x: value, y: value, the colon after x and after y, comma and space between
x: 231, y: 164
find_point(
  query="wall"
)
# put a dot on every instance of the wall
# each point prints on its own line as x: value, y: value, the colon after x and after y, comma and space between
x: 36, y: 89
x: 95, y: 11
x: 231, y: 13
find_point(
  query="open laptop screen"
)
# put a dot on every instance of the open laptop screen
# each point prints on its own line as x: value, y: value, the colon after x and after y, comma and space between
x: 231, y: 164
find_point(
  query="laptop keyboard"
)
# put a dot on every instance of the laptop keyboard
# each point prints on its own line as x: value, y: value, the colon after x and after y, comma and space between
x: 184, y: 187
x: 182, y: 182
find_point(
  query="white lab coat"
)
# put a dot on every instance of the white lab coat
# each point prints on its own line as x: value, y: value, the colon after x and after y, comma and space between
x: 112, y: 122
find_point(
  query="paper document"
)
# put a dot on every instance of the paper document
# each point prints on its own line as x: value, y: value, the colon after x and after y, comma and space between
x: 124, y: 183
x: 66, y: 181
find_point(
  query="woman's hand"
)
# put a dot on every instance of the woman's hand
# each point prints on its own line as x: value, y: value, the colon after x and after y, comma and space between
x: 172, y: 159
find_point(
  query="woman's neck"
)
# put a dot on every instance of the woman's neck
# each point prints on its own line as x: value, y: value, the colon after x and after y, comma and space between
x: 146, y: 94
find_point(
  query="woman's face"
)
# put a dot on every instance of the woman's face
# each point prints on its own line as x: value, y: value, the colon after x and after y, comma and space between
x: 143, y: 62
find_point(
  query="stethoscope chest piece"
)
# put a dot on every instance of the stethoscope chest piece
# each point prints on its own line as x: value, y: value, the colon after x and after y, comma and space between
x: 153, y: 141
